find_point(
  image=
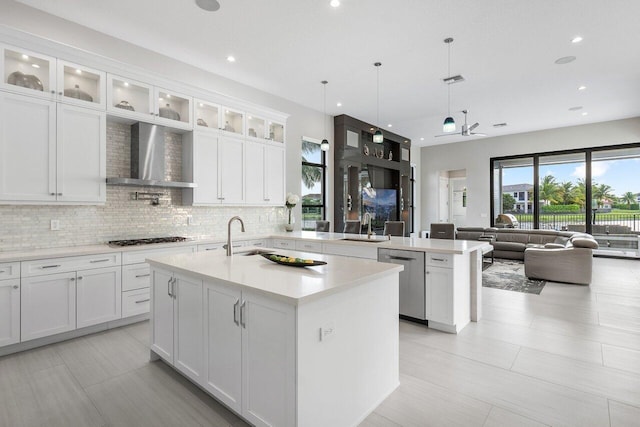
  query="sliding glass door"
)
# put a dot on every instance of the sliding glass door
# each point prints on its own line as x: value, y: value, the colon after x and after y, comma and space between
x: 592, y: 190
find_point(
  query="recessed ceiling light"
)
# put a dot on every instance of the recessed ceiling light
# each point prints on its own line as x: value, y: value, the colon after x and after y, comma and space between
x: 78, y: 71
x: 389, y: 125
x: 25, y: 56
x: 565, y: 60
x: 160, y: 99
x: 201, y: 104
x: 126, y: 83
x: 231, y: 58
x: 35, y: 65
x: 579, y: 107
x: 250, y: 118
x: 339, y: 104
x: 334, y: 3
x: 584, y: 113
x: 168, y: 96
x: 582, y: 88
x: 208, y: 5
x: 576, y: 39
x: 421, y: 139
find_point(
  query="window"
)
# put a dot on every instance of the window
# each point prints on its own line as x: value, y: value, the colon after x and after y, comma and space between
x: 312, y: 183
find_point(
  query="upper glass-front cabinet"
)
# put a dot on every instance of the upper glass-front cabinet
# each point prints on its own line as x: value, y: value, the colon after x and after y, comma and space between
x: 232, y: 121
x: 276, y: 132
x: 81, y: 85
x: 28, y: 72
x: 129, y: 98
x: 207, y: 115
x: 172, y: 107
x: 256, y: 127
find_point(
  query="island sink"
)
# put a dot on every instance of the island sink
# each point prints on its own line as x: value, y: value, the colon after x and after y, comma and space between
x: 358, y: 239
x: 255, y: 252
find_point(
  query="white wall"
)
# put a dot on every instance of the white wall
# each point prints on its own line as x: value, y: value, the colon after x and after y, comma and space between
x: 302, y: 120
x: 474, y: 154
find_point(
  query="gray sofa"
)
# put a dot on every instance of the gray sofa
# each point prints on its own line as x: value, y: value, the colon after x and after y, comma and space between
x: 559, y: 256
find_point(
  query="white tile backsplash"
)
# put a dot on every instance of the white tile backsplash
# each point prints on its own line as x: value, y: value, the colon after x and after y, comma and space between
x: 28, y: 226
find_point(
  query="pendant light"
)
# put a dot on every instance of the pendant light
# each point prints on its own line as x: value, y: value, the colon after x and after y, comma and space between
x: 324, y: 145
x: 449, y: 124
x: 378, y: 138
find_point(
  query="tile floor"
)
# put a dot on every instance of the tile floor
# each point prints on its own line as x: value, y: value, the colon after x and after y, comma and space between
x: 569, y: 356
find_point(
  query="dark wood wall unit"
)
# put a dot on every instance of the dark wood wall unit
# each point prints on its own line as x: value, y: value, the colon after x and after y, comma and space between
x: 359, y: 162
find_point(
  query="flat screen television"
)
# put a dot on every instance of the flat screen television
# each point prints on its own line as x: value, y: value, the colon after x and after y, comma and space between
x: 381, y: 203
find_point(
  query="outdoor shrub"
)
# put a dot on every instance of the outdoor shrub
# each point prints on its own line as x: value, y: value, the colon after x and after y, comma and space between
x: 561, y: 209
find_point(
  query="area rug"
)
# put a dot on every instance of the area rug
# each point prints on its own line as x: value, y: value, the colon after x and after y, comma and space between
x: 509, y: 276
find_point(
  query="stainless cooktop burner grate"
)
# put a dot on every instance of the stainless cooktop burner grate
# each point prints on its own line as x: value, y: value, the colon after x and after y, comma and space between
x: 136, y: 242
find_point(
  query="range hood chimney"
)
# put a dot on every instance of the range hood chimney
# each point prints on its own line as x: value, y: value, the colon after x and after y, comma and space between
x: 148, y: 159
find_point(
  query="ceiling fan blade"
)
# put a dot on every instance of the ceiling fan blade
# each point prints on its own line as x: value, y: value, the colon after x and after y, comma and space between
x: 473, y: 126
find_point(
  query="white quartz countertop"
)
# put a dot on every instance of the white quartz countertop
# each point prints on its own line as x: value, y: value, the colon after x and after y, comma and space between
x: 294, y: 285
x: 402, y: 243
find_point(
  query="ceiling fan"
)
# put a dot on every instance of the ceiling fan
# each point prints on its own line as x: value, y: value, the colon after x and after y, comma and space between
x: 466, y: 129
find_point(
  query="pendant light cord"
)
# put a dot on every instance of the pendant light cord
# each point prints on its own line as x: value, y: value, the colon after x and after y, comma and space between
x: 378, y: 94
x: 324, y: 110
x: 448, y: 83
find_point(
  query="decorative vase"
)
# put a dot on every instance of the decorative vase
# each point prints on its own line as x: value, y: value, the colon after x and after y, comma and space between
x: 289, y: 225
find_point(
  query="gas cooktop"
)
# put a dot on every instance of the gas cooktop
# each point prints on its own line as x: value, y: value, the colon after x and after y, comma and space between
x: 136, y: 242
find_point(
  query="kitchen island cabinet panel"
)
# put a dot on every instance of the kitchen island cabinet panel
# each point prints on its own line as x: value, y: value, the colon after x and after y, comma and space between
x: 162, y: 314
x: 187, y: 326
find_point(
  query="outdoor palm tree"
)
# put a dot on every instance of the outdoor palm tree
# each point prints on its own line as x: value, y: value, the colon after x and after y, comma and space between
x: 602, y: 192
x: 550, y: 190
x: 567, y: 193
x: 580, y: 192
x: 628, y: 198
x: 310, y: 174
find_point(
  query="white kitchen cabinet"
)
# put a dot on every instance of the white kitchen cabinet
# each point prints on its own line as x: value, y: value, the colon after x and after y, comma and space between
x: 177, y: 321
x: 250, y: 354
x: 232, y: 121
x: 81, y: 166
x: 264, y: 165
x: 136, y: 302
x: 231, y: 170
x: 27, y: 149
x: 98, y: 296
x: 140, y: 101
x: 48, y: 305
x: 276, y: 132
x: 275, y: 175
x: 217, y: 166
x: 9, y: 311
x: 206, y: 116
x: 439, y: 294
x: 48, y: 160
x: 80, y: 85
x: 256, y: 127
x: 27, y: 72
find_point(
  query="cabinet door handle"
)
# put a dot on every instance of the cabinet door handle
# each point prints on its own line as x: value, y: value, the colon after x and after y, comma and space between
x: 50, y: 266
x: 15, y: 286
x: 143, y: 275
x: 52, y: 194
x: 243, y: 314
x: 59, y: 194
x: 60, y: 93
x: 3, y: 271
x: 98, y: 260
x: 235, y: 311
x: 169, y: 287
x: 73, y: 279
x: 53, y: 92
x: 143, y: 300
x: 173, y: 287
x: 79, y: 277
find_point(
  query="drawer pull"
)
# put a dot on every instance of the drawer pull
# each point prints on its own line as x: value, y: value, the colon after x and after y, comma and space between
x: 143, y: 275
x: 50, y: 266
x: 438, y: 259
x: 211, y: 249
x: 99, y: 260
x: 3, y: 271
x: 401, y: 258
x: 143, y: 300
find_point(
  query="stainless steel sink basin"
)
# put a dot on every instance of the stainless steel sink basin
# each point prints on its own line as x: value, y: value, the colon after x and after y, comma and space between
x: 356, y: 239
x: 255, y: 252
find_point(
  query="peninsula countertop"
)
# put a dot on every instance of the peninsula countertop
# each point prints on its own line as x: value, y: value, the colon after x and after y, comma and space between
x: 294, y: 285
x: 402, y: 243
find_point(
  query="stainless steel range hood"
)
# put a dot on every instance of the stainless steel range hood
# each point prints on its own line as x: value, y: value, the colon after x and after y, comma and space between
x: 148, y: 159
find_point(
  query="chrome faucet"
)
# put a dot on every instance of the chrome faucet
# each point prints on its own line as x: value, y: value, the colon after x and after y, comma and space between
x: 229, y: 244
x: 369, y: 232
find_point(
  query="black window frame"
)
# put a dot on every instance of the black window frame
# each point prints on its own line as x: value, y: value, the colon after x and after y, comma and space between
x: 323, y: 167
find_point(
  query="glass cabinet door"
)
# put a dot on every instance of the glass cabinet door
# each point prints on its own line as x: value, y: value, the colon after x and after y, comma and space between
x: 276, y: 132
x: 256, y: 127
x: 207, y: 115
x: 232, y: 121
x: 172, y: 107
x: 28, y: 72
x: 81, y: 85
x: 128, y: 97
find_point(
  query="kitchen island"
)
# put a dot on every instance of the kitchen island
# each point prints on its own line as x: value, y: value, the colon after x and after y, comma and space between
x: 279, y: 345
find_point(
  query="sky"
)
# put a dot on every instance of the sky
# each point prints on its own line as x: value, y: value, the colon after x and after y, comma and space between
x: 622, y: 175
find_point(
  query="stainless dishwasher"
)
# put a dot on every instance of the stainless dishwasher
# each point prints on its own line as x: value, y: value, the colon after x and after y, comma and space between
x: 412, y: 291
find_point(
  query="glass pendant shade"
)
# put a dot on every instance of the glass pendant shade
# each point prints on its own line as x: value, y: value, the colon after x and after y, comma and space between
x: 449, y: 125
x: 324, y: 145
x: 377, y: 137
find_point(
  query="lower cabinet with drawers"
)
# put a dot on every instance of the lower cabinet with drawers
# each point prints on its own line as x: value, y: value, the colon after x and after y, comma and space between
x: 9, y: 303
x: 62, y: 294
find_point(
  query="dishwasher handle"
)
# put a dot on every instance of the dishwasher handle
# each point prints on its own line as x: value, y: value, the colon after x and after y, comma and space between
x: 401, y: 258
